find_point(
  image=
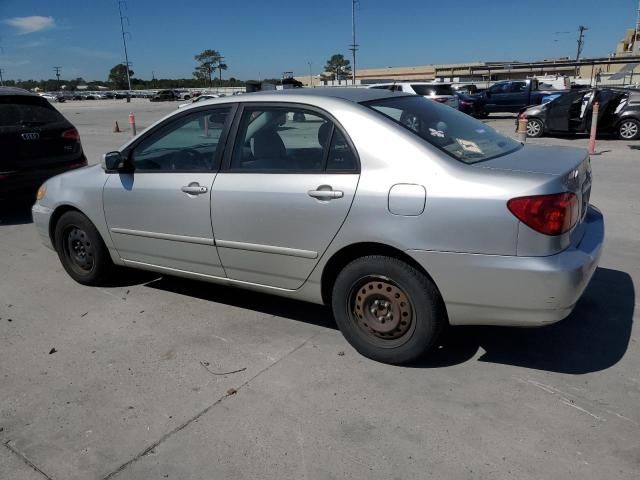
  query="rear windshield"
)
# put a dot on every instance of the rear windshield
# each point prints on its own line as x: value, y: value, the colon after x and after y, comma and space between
x: 433, y: 89
x: 24, y: 110
x: 455, y: 133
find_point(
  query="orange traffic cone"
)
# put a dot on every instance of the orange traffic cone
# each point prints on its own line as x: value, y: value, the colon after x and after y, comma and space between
x: 116, y: 129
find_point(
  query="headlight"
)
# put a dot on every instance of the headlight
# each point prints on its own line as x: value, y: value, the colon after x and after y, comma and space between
x: 41, y: 191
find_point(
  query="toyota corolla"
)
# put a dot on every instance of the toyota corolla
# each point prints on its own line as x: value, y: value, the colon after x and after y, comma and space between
x: 402, y: 214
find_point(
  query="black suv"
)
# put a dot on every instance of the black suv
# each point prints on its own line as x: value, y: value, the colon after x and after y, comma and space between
x: 37, y: 142
x: 165, y: 96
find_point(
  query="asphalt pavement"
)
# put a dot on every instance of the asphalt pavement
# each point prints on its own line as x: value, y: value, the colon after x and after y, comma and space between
x: 157, y: 377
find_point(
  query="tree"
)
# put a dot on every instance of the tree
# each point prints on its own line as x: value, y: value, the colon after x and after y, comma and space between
x: 118, y: 76
x: 338, y: 66
x: 209, y: 61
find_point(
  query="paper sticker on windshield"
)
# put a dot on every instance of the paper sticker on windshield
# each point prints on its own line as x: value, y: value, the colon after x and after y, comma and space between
x: 480, y: 130
x: 469, y: 146
x: 436, y: 133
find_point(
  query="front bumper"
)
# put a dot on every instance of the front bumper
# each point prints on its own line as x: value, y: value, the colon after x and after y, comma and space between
x: 41, y: 218
x: 515, y: 291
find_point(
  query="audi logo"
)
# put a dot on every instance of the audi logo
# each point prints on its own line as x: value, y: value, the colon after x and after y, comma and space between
x: 31, y: 136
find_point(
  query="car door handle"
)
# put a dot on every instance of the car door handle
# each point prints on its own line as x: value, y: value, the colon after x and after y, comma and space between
x: 325, y: 194
x: 194, y: 189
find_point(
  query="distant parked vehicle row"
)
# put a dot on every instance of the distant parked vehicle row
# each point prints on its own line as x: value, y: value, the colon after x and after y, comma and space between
x: 571, y: 113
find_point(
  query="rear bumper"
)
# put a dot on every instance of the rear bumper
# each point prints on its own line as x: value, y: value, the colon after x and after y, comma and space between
x: 515, y: 291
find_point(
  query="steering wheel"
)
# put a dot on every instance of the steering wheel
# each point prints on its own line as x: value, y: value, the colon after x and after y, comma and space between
x: 186, y: 159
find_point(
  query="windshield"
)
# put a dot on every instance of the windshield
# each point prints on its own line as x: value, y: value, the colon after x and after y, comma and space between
x: 432, y: 90
x: 453, y: 132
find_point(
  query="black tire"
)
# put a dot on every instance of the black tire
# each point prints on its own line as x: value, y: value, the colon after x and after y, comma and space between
x: 629, y: 129
x: 81, y: 249
x: 535, y: 128
x: 376, y: 290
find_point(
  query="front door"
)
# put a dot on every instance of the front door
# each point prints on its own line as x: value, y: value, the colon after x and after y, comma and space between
x: 284, y: 194
x: 160, y: 213
x: 566, y: 113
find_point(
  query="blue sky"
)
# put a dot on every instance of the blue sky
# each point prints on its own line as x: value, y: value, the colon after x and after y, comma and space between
x: 264, y: 38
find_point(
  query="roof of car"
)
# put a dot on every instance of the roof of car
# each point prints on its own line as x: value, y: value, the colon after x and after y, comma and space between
x: 16, y: 91
x: 355, y: 95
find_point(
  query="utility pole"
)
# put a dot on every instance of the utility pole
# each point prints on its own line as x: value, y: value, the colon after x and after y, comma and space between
x: 310, y: 74
x: 636, y: 43
x: 153, y: 78
x: 581, y: 30
x: 124, y: 39
x: 57, y: 70
x: 354, y: 45
x: 1, y: 80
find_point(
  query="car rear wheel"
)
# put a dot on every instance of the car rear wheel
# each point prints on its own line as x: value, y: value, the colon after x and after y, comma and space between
x: 387, y: 310
x: 535, y: 128
x: 629, y: 129
x: 81, y: 250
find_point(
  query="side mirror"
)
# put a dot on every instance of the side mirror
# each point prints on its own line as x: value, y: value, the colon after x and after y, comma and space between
x: 112, y: 161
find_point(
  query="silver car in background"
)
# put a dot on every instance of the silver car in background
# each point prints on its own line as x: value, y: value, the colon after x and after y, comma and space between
x: 436, y: 91
x: 400, y: 213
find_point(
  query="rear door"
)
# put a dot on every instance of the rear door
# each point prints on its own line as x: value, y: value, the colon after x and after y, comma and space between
x: 287, y: 187
x: 565, y: 112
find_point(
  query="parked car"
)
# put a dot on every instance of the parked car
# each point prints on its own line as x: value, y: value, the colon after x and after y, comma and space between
x: 52, y: 97
x: 440, y: 92
x: 37, y: 143
x: 401, y: 230
x: 470, y: 105
x: 467, y: 89
x: 513, y: 95
x: 571, y: 112
x: 201, y: 98
x: 165, y: 96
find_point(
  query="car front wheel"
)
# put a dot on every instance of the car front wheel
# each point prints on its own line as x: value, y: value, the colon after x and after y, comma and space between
x: 387, y: 310
x: 629, y: 129
x: 81, y: 250
x: 535, y: 128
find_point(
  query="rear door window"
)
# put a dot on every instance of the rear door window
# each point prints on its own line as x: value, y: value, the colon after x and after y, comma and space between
x: 27, y: 111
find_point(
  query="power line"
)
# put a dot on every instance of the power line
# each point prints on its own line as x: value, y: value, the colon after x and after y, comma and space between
x: 124, y: 39
x: 354, y: 45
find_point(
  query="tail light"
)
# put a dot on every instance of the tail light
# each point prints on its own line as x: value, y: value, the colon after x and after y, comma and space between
x: 71, y: 134
x: 465, y: 102
x: 548, y: 214
x: 441, y: 100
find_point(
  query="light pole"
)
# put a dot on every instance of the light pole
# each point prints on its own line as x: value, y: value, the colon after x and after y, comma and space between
x: 310, y: 74
x: 57, y: 70
x: 354, y: 45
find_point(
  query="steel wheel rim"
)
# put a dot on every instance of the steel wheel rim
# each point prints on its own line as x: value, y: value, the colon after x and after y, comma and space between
x: 628, y: 130
x: 78, y: 249
x: 533, y: 127
x: 381, y: 311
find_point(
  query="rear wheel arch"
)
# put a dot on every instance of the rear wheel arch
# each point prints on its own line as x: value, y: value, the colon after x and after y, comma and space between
x: 347, y: 254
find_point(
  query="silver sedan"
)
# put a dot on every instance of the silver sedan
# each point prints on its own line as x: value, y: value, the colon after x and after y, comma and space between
x: 402, y: 214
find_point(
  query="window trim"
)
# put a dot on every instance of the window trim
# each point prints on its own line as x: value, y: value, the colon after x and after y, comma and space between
x: 166, y: 125
x: 233, y: 138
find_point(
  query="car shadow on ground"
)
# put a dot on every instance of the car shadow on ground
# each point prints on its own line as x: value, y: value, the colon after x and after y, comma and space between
x: 594, y: 337
x: 15, y: 214
x: 258, y: 302
x: 634, y: 147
